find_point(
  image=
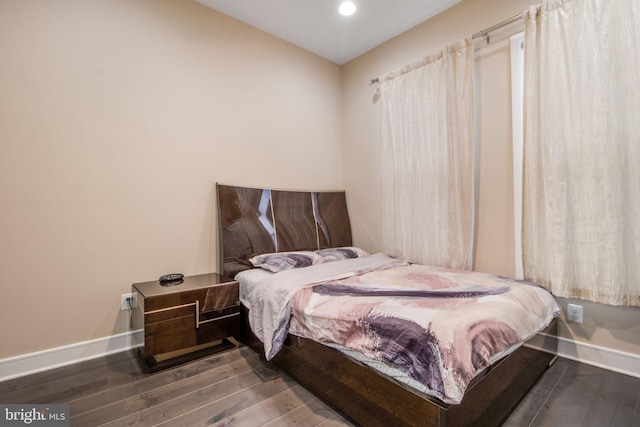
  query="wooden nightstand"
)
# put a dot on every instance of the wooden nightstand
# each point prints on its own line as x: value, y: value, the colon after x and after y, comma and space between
x: 185, y: 321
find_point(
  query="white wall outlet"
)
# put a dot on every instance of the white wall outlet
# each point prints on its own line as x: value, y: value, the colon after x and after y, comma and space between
x: 124, y: 301
x: 574, y: 313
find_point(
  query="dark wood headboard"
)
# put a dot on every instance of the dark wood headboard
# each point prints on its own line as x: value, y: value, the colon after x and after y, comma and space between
x: 256, y: 221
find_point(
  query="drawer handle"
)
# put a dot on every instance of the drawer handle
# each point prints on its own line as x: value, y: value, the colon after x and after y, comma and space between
x: 220, y: 318
x: 160, y: 310
x: 197, y: 313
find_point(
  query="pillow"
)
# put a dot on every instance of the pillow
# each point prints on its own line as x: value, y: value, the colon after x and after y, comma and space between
x: 279, y: 261
x: 337, y: 254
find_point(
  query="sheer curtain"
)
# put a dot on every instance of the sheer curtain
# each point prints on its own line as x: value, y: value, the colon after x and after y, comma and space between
x: 427, y: 158
x: 581, y: 207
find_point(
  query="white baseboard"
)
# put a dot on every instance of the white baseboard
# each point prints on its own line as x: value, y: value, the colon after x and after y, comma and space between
x: 32, y: 363
x: 18, y: 366
x: 602, y: 357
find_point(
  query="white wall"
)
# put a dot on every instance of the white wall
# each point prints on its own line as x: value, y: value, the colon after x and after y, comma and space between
x: 604, y: 326
x: 117, y: 118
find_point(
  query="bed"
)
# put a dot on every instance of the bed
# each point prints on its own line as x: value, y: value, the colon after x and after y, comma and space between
x: 301, y: 281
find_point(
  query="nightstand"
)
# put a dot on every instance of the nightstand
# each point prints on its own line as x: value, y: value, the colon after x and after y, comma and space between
x: 185, y: 321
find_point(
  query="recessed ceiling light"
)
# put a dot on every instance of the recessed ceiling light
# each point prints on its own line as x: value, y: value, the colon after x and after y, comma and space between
x: 347, y: 8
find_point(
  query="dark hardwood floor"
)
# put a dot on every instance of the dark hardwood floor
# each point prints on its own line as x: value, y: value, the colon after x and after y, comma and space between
x: 575, y: 394
x: 237, y: 388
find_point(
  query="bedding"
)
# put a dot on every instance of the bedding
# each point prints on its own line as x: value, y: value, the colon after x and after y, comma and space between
x: 439, y: 327
x: 248, y: 280
x: 279, y: 261
x: 337, y: 254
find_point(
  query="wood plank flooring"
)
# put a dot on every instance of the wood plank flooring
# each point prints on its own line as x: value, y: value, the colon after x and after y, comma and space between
x: 574, y: 394
x: 236, y: 388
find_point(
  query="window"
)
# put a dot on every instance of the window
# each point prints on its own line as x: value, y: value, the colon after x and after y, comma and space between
x: 517, y: 93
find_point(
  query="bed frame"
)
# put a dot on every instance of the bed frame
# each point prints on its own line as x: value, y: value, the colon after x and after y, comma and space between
x: 256, y: 221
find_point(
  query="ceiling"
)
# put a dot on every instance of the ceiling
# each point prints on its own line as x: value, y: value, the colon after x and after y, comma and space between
x: 316, y: 25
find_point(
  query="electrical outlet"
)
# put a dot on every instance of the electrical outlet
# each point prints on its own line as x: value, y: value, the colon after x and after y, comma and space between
x: 124, y: 301
x: 574, y: 313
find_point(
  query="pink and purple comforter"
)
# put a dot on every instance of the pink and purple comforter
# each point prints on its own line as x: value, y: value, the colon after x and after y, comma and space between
x: 438, y: 326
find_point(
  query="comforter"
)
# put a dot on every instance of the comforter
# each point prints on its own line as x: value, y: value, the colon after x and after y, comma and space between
x: 438, y: 326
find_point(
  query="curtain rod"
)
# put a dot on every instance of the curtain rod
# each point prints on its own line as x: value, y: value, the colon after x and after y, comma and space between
x: 484, y: 34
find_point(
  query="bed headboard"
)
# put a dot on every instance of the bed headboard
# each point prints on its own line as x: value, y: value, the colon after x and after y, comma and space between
x: 256, y: 220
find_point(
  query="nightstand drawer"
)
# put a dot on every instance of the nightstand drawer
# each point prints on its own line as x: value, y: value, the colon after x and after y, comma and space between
x: 179, y: 333
x: 210, y: 298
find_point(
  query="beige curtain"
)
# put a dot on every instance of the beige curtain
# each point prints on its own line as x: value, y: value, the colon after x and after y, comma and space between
x: 427, y: 158
x: 581, y: 207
